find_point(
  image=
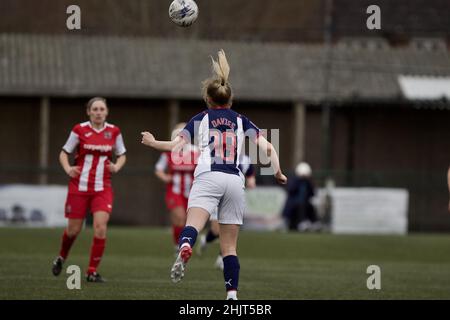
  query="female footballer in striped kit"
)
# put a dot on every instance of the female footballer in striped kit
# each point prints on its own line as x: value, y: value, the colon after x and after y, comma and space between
x: 90, y: 181
x: 219, y: 133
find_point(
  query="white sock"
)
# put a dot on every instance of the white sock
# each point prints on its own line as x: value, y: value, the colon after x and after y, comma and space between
x: 232, y: 294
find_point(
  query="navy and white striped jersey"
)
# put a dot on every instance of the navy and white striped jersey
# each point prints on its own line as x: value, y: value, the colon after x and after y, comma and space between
x: 220, y: 134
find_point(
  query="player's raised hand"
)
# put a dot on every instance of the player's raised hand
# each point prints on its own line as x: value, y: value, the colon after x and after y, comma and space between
x: 74, y: 172
x: 147, y: 138
x: 281, y: 178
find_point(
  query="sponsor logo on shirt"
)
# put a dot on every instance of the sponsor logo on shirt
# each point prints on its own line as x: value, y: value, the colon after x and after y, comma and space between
x: 101, y: 148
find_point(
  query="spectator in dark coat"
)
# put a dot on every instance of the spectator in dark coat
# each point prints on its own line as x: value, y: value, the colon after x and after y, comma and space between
x: 298, y: 212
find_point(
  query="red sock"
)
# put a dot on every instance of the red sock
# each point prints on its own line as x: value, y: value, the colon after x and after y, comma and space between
x: 98, y: 246
x: 176, y: 230
x: 66, y: 244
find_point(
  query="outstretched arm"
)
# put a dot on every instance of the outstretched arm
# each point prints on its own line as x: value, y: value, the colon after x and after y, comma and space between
x: 149, y: 140
x: 273, y: 156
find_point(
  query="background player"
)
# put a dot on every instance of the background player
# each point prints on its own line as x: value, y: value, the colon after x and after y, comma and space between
x: 220, y: 133
x: 90, y: 185
x: 177, y: 171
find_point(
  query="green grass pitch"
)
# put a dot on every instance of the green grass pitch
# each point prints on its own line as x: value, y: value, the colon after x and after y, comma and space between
x: 283, y: 266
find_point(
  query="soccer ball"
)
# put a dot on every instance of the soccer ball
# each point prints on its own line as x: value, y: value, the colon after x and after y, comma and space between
x: 183, y: 12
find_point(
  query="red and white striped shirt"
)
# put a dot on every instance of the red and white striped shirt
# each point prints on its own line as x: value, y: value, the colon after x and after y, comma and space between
x: 181, y: 167
x: 94, y: 151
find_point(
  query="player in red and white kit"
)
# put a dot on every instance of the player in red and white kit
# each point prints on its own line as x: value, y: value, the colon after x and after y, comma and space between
x: 94, y: 143
x: 176, y: 169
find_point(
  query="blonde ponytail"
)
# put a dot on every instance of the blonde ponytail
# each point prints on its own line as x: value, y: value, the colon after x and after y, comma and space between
x: 218, y: 88
x: 221, y: 67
